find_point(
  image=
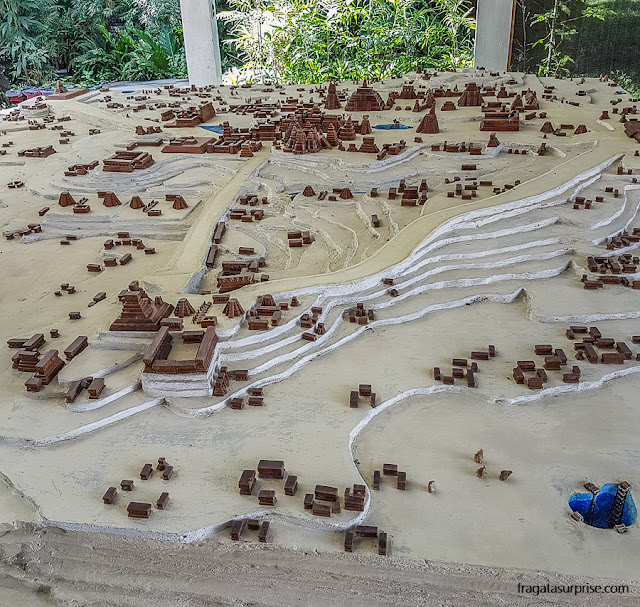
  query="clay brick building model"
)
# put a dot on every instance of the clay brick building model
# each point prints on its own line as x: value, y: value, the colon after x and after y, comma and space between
x: 156, y: 359
x: 139, y: 313
x: 365, y: 99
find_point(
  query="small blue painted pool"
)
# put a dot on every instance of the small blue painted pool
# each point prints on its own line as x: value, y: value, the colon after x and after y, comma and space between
x: 216, y: 128
x: 388, y: 127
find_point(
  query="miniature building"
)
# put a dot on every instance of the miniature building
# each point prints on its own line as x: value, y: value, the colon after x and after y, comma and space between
x: 156, y: 357
x: 470, y: 96
x: 365, y: 99
x: 332, y: 102
x: 429, y: 123
x: 139, y: 510
x: 271, y: 468
x: 139, y: 313
x: 127, y: 162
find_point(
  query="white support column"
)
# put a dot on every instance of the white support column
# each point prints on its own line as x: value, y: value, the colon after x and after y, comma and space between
x: 494, y: 34
x: 201, y: 41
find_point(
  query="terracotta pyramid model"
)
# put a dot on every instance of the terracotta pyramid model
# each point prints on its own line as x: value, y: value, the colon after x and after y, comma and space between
x: 179, y: 203
x: 365, y: 99
x: 245, y: 150
x: 332, y: 102
x: 347, y: 131
x: 300, y: 146
x: 233, y: 309
x: 430, y: 100
x: 547, y: 127
x: 139, y: 313
x: 184, y: 308
x: 429, y: 123
x: 369, y: 145
x: 308, y: 191
x: 136, y: 203
x: 470, y: 96
x: 66, y: 200
x: 332, y: 136
x: 517, y: 103
x: 531, y: 100
x: 111, y: 200
x: 365, y: 125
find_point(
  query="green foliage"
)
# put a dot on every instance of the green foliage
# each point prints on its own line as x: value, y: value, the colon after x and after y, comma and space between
x: 557, y: 25
x: 629, y: 84
x: 19, y: 36
x: 309, y: 42
x: 92, y: 40
x: 131, y: 54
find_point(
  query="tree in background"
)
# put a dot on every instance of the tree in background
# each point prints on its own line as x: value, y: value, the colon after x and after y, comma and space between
x: 560, y: 24
x: 578, y: 37
x: 307, y: 41
x: 20, y: 31
x: 90, y: 41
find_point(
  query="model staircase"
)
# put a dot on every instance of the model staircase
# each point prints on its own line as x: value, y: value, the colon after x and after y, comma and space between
x: 615, y: 516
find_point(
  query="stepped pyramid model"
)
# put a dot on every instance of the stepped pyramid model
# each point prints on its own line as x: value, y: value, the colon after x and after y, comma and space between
x: 470, y: 96
x: 222, y: 382
x: 369, y: 145
x: 233, y: 309
x: 429, y: 123
x: 184, y: 308
x: 308, y: 191
x: 365, y: 125
x: 332, y: 102
x: 430, y: 100
x: 346, y: 194
x: 136, y: 203
x: 365, y: 99
x: 139, y: 313
x: 179, y: 203
x: 245, y: 151
x: 493, y: 141
x: 531, y: 100
x: 268, y: 300
x: 517, y: 103
x: 111, y: 200
x: 332, y: 135
x: 347, y: 131
x: 66, y: 200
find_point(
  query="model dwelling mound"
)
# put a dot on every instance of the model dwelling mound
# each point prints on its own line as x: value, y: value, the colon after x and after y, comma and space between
x: 351, y: 315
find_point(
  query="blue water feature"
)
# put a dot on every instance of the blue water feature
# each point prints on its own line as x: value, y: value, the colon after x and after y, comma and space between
x: 388, y: 127
x: 216, y: 128
x: 596, y: 509
x: 127, y: 92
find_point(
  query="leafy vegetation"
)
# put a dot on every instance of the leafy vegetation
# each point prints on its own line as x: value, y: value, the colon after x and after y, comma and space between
x: 308, y: 41
x: 577, y: 37
x: 90, y: 41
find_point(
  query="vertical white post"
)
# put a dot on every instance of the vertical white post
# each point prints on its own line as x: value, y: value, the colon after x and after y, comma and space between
x: 201, y: 41
x: 494, y: 34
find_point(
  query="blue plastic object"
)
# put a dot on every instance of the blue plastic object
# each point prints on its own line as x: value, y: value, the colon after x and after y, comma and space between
x: 388, y: 127
x: 597, y: 509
